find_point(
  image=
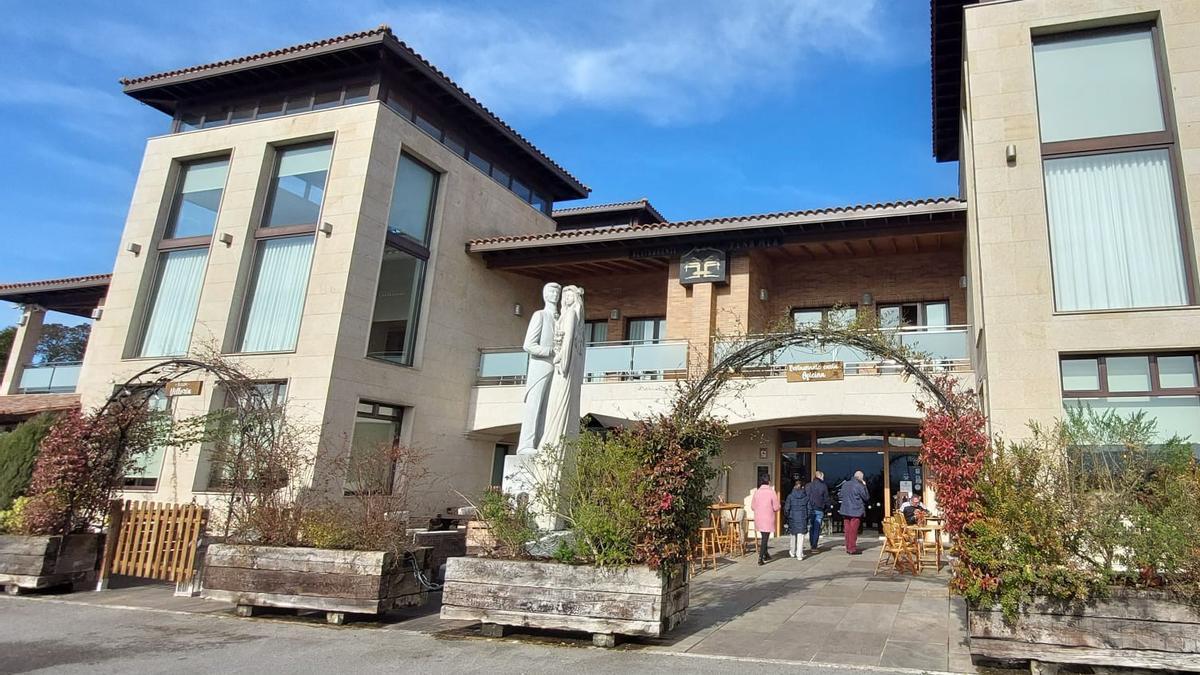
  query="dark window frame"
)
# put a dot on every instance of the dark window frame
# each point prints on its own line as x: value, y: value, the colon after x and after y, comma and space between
x: 660, y: 324
x: 398, y: 431
x: 1167, y: 139
x: 1156, y: 388
x: 262, y: 231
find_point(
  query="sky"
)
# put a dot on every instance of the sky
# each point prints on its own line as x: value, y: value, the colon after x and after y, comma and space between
x: 707, y: 107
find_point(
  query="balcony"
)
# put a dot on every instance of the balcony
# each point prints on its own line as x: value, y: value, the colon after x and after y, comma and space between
x: 49, y: 378
x: 604, y: 362
x: 946, y: 348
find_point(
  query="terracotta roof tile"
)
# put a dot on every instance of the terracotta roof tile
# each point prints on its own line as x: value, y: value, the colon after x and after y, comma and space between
x: 642, y: 203
x: 683, y: 225
x: 385, y: 32
x: 87, y: 280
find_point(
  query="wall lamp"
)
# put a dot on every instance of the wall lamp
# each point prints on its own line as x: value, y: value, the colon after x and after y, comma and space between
x: 762, y: 294
x: 1010, y: 154
x: 97, y: 313
x: 614, y: 314
x: 325, y: 229
x: 226, y: 239
x: 868, y: 299
x: 134, y: 248
x: 517, y: 309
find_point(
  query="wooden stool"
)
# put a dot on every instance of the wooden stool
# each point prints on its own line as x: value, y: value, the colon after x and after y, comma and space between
x: 737, y: 537
x: 708, y: 546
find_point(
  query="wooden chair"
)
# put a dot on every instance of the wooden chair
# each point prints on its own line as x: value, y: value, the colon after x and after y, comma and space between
x: 899, y: 550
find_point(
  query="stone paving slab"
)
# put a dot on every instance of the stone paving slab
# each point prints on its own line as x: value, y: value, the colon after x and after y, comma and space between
x: 827, y: 608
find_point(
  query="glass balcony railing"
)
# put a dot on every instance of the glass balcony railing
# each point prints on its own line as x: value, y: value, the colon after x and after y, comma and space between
x: 945, y: 347
x: 49, y: 378
x: 604, y: 362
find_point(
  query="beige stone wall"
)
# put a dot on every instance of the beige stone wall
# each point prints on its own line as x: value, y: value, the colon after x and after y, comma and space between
x: 1022, y: 332
x: 466, y: 306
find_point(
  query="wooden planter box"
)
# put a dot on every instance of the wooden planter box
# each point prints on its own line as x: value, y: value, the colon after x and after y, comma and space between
x: 603, y: 601
x: 1133, y: 629
x: 41, y: 561
x: 335, y: 582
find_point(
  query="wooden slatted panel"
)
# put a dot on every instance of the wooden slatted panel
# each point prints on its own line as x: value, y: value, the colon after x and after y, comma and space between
x: 157, y: 541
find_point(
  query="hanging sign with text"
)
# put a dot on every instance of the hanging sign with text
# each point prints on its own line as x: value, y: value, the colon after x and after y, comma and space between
x: 184, y: 388
x: 821, y: 371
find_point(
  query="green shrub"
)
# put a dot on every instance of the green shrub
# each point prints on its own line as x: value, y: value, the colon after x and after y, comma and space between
x: 1079, y: 508
x: 18, y: 452
x: 509, y: 523
x: 12, y: 520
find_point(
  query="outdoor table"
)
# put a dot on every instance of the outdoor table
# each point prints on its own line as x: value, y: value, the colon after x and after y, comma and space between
x: 930, y: 528
x: 732, y: 537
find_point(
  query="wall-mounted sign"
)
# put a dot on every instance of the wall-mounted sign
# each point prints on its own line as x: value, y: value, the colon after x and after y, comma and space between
x: 703, y: 266
x: 184, y: 388
x: 906, y: 486
x: 820, y: 371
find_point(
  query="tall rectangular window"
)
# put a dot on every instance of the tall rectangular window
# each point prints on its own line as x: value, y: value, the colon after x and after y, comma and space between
x: 1115, y: 229
x: 285, y: 240
x: 405, y: 255
x: 376, y: 433
x: 276, y: 300
x: 220, y: 455
x: 172, y: 310
x: 299, y: 185
x: 194, y: 211
x: 1163, y: 386
x: 596, y: 331
x: 144, y: 470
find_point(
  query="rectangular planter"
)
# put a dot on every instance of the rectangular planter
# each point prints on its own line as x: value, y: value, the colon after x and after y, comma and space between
x: 336, y: 582
x: 603, y: 601
x: 41, y: 561
x: 1132, y: 629
x: 443, y: 545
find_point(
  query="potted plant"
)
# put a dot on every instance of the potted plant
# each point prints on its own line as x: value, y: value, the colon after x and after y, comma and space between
x: 633, y: 504
x: 340, y: 546
x: 51, y: 536
x: 1084, y: 548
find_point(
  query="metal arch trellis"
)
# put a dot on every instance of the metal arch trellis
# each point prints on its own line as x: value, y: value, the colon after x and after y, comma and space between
x: 699, y: 394
x: 135, y: 393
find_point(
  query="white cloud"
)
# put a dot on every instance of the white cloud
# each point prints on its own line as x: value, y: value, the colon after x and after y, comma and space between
x: 666, y: 61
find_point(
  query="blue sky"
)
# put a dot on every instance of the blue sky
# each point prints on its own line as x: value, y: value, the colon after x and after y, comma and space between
x: 707, y: 107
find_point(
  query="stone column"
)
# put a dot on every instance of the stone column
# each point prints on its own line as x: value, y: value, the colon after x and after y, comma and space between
x: 24, y: 344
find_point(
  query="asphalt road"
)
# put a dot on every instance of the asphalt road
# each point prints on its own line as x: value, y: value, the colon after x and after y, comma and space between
x: 44, y: 634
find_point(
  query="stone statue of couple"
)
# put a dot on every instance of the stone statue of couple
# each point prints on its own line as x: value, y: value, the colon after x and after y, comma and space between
x: 556, y: 345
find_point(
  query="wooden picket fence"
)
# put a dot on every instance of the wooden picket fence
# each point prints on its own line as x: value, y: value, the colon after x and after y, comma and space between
x: 153, y: 541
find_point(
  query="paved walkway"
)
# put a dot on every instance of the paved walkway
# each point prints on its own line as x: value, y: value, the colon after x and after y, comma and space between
x: 827, y: 608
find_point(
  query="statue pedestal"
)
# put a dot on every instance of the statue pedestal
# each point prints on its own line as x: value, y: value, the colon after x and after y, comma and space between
x: 518, y: 475
x: 521, y: 476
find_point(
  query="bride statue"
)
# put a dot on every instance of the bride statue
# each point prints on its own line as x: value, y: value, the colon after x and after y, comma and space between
x: 570, y: 349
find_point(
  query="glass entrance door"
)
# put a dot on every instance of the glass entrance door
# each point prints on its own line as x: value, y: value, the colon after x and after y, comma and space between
x: 839, y: 467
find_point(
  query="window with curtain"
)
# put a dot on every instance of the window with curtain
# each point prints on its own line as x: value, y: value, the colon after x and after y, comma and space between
x: 371, y: 468
x: 1164, y: 386
x: 1108, y: 155
x: 651, y: 329
x: 172, y: 309
x: 271, y: 322
x: 926, y: 314
x: 217, y: 459
x: 298, y: 188
x: 194, y: 211
x: 596, y: 331
x: 398, y: 294
x: 144, y: 469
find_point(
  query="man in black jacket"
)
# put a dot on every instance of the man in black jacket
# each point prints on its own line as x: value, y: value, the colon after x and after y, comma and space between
x: 818, y: 499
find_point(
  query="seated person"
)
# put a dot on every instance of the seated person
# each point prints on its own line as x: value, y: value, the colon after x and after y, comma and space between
x: 911, y: 508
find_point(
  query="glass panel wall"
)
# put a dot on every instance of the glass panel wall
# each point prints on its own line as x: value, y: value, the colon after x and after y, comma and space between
x: 299, y: 185
x: 194, y: 212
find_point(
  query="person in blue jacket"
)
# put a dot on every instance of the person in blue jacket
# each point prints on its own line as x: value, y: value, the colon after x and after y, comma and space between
x: 796, y: 511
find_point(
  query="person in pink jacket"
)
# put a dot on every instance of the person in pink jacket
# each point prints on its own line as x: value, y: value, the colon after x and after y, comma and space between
x: 765, y: 505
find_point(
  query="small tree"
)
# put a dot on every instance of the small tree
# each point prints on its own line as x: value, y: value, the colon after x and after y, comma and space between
x: 7, y: 335
x: 60, y: 343
x: 18, y: 452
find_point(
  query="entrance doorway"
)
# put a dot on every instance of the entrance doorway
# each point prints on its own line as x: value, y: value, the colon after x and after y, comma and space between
x: 887, y: 458
x: 839, y: 468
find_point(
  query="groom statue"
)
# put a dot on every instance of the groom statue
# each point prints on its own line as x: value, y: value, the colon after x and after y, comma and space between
x: 539, y: 344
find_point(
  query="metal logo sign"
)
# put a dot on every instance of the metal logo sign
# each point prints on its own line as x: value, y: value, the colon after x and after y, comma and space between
x: 703, y: 266
x: 821, y: 371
